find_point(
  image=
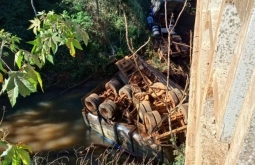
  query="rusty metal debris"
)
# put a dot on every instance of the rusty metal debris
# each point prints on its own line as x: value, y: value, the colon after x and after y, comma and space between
x: 138, y: 96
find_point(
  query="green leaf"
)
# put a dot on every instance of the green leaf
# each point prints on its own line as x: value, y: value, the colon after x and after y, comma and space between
x: 24, y: 147
x: 43, y: 58
x: 16, y: 160
x: 33, y: 75
x: 13, y: 47
x: 6, y: 81
x: 76, y: 44
x: 30, y: 71
x: 35, y: 25
x: 8, y: 151
x: 36, y: 60
x: 23, y: 154
x: 13, y: 94
x: 85, y: 37
x: 72, y: 50
x: 12, y: 91
x: 20, y: 83
x: 34, y: 43
x: 39, y: 79
x: 70, y: 46
x: 32, y: 59
x: 8, y: 155
x: 54, y: 46
x: 2, y: 68
x: 50, y: 58
x: 25, y: 87
x: 18, y: 58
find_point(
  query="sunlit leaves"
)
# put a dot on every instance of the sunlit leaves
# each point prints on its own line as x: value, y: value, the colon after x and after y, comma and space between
x: 50, y: 58
x: 70, y: 46
x: 28, y: 57
x: 56, y: 30
x: 52, y: 30
x: 35, y: 25
x: 23, y: 83
x: 8, y: 155
x: 72, y: 43
x: 76, y: 44
x: 34, y: 75
x: 23, y: 155
x: 25, y: 87
x: 18, y: 58
x: 13, y: 41
x: 12, y: 90
x: 39, y: 79
x: 24, y: 147
x: 10, y: 41
x: 16, y: 155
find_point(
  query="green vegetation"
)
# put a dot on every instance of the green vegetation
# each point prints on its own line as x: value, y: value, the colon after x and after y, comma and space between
x: 179, y: 157
x: 102, y: 20
x: 51, y: 31
x: 16, y: 154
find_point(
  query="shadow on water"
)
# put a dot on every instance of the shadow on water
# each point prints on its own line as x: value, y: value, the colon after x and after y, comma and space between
x: 50, y: 124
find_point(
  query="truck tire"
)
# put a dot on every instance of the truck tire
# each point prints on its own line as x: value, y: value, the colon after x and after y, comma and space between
x: 126, y: 90
x: 113, y: 85
x: 178, y: 93
x: 92, y: 102
x: 152, y: 120
x: 142, y: 108
x: 172, y: 99
x: 183, y: 109
x: 107, y: 109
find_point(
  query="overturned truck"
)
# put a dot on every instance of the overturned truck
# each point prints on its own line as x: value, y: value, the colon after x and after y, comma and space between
x: 133, y: 108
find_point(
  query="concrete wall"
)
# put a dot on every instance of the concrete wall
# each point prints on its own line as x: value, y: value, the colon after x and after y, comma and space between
x: 221, y: 124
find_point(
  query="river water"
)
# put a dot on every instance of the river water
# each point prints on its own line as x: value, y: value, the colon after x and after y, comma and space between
x: 50, y: 124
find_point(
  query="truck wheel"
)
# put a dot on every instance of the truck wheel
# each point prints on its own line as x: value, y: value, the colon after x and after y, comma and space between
x: 143, y: 107
x: 183, y: 109
x: 92, y: 102
x: 107, y: 109
x: 157, y: 90
x: 114, y: 85
x: 152, y: 120
x: 126, y: 90
x: 172, y: 98
x: 178, y: 93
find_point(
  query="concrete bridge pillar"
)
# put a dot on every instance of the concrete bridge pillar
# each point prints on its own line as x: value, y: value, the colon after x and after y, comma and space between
x: 221, y: 124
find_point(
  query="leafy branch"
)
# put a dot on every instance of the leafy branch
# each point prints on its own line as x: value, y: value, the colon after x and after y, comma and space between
x: 51, y: 31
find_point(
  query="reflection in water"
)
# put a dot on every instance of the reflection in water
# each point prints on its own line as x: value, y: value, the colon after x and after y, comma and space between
x: 50, y: 124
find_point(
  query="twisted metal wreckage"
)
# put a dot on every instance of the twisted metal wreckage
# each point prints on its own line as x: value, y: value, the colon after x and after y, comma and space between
x: 138, y: 108
x: 131, y: 109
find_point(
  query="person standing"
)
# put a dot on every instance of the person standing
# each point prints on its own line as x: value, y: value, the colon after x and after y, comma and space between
x: 150, y: 21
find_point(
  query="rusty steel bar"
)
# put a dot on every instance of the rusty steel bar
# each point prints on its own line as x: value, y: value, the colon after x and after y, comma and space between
x: 167, y: 134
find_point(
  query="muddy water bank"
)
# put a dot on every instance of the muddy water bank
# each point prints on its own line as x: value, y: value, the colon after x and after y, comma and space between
x: 48, y: 124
